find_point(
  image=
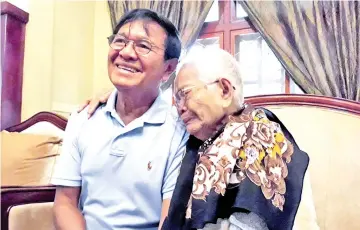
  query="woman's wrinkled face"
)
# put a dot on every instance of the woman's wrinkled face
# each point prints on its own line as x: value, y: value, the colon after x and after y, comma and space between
x: 199, y: 103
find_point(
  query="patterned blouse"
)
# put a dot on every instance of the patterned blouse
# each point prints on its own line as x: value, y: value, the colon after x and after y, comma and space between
x: 252, y: 165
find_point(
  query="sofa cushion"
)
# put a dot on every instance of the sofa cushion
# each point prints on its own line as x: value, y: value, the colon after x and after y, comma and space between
x: 27, y: 159
x: 306, y: 214
x: 37, y: 216
x: 330, y: 138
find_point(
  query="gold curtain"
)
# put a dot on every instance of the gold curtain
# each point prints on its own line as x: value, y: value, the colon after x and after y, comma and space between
x: 187, y: 16
x: 318, y: 42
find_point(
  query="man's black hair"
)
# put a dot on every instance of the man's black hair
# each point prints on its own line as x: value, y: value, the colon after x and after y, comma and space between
x: 172, y: 42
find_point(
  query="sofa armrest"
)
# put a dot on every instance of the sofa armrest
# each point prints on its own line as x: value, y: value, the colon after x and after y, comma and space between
x: 18, y: 195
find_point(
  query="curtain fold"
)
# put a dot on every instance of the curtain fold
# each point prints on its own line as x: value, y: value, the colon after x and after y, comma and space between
x: 187, y: 16
x: 318, y: 42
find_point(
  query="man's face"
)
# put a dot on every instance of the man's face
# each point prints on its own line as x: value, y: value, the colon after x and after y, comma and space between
x: 201, y: 106
x: 127, y: 69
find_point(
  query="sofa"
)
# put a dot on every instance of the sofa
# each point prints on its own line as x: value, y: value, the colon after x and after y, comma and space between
x: 29, y: 152
x: 328, y: 129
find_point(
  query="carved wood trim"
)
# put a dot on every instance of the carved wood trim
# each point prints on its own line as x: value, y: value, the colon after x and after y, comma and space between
x: 24, y: 195
x: 306, y: 100
x: 55, y: 119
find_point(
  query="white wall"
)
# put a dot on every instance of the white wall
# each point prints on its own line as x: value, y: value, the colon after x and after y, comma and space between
x: 102, y: 29
x: 72, y: 59
x: 65, y: 54
x: 37, y: 74
x: 22, y: 4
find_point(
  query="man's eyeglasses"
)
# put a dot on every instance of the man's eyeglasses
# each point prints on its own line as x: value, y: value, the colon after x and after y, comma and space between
x: 142, y: 47
x: 181, y: 95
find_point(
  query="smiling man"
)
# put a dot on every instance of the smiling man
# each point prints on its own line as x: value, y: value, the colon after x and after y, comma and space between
x: 118, y: 169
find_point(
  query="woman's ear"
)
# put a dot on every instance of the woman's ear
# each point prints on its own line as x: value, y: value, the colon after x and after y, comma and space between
x: 227, y: 88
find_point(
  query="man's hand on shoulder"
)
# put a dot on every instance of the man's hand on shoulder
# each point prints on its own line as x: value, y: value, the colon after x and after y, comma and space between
x: 95, y: 102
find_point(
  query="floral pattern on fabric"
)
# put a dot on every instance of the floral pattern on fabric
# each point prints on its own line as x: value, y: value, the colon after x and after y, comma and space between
x: 251, y: 146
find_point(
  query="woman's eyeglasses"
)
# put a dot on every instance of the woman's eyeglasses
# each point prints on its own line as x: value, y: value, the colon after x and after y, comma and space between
x: 180, y: 95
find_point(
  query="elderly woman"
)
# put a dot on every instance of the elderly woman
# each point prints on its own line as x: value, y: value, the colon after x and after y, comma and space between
x: 242, y: 169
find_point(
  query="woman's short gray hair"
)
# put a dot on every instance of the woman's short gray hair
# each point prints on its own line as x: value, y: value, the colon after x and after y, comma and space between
x: 214, y: 63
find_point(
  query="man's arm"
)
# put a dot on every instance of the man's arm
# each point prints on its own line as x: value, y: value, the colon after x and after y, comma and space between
x: 172, y: 171
x: 164, y: 211
x: 67, y: 216
x: 67, y: 178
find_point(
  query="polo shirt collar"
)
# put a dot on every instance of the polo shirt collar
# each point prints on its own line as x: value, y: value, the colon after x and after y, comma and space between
x: 156, y: 114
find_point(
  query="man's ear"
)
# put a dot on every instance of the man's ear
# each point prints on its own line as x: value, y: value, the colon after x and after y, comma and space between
x: 170, y: 68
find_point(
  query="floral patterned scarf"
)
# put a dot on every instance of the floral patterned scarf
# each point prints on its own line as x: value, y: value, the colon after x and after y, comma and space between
x: 254, y: 165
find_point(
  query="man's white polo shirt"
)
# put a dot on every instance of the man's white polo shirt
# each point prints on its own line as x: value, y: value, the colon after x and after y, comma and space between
x: 124, y: 171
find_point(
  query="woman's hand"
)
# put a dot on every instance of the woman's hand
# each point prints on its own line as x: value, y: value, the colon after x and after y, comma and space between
x: 95, y: 102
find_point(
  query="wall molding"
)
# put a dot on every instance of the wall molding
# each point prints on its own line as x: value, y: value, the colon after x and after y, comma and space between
x: 63, y: 107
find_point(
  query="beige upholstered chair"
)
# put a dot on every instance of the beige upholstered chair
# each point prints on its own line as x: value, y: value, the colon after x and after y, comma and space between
x: 28, y: 154
x: 328, y: 129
